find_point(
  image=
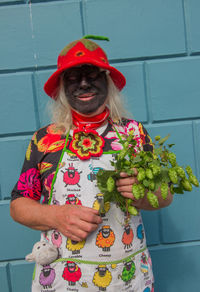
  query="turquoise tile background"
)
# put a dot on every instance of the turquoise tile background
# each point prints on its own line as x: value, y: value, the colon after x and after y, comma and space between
x: 16, y: 48
x: 176, y: 267
x: 156, y: 44
x: 3, y: 277
x: 17, y: 111
x: 137, y: 28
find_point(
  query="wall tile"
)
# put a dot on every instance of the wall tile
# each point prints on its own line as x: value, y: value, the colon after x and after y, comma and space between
x: 16, y: 48
x: 181, y: 135
x: 140, y: 28
x: 3, y: 278
x: 178, y: 220
x: 197, y: 136
x: 151, y: 225
x: 44, y: 101
x: 193, y: 22
x: 176, y: 268
x: 17, y: 110
x: 55, y: 24
x: 21, y: 275
x: 12, y: 153
x: 174, y: 88
x: 17, y: 239
x: 11, y: 1
x: 134, y: 93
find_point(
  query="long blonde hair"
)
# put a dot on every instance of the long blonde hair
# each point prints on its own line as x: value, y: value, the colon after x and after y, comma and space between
x: 61, y: 111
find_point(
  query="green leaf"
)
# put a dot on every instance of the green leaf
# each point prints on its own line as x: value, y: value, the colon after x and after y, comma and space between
x: 170, y: 145
x: 178, y: 190
x: 145, y: 183
x: 163, y: 140
x: 95, y: 37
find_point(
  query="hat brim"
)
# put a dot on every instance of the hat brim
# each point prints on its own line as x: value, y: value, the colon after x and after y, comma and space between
x: 52, y: 84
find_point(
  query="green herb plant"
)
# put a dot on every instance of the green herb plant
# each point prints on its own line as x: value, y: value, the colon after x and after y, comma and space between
x: 157, y: 169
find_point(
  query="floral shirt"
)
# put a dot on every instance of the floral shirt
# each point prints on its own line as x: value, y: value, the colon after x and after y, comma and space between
x: 45, y: 149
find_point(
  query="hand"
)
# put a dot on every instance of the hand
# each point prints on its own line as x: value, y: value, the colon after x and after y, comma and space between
x: 76, y: 222
x: 125, y: 184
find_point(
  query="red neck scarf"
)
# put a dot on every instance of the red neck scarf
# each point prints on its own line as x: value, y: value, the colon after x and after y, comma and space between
x: 84, y: 123
x: 86, y: 142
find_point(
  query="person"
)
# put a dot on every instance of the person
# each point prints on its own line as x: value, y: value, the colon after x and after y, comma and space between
x: 97, y: 251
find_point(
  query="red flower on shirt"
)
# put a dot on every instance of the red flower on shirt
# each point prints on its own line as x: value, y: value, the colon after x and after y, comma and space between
x: 51, y: 143
x: 29, y: 184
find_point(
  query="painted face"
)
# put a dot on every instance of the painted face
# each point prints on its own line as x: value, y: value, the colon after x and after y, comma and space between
x: 86, y: 88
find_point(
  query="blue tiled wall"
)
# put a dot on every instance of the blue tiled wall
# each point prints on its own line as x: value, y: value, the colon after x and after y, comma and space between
x: 156, y: 44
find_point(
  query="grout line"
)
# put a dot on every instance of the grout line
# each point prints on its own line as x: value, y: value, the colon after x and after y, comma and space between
x: 8, y: 277
x: 186, y: 27
x: 83, y: 19
x: 8, y: 3
x: 148, y: 58
x: 28, y: 69
x: 147, y: 93
x: 175, y: 120
x: 195, y: 147
x: 161, y: 246
x: 112, y: 61
x: 35, y: 100
x: 160, y: 227
x: 13, y: 260
x: 20, y: 134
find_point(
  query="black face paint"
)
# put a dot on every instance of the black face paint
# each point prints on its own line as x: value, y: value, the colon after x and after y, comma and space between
x: 86, y: 88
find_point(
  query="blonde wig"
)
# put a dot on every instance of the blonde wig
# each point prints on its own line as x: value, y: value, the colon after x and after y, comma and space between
x: 61, y: 111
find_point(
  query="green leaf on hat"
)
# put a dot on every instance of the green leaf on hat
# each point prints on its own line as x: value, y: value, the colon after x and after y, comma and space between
x: 91, y: 46
x: 68, y: 47
x: 96, y: 37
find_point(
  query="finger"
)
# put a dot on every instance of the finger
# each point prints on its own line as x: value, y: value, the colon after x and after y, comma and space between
x: 86, y: 214
x: 126, y: 181
x: 128, y: 195
x: 90, y: 217
x: 135, y: 171
x: 127, y: 188
x: 124, y: 174
x: 69, y: 234
x: 82, y: 233
x: 74, y: 237
x: 87, y: 227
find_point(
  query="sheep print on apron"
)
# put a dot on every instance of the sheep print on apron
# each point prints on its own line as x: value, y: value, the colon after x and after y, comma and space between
x: 112, y: 258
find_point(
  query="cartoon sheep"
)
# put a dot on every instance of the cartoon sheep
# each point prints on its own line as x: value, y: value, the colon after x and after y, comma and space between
x: 128, y: 272
x: 73, y: 200
x: 144, y: 267
x: 100, y: 206
x: 56, y: 238
x: 71, y: 176
x: 140, y: 233
x: 147, y: 289
x: 43, y: 253
x: 47, y: 276
x: 127, y: 237
x: 75, y: 246
x: 54, y: 201
x: 71, y: 273
x: 105, y: 238
x: 102, y: 278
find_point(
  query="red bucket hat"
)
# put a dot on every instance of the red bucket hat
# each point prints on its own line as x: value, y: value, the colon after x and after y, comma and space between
x: 83, y: 51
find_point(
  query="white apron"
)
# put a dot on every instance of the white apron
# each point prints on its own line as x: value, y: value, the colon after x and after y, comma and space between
x: 112, y: 258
